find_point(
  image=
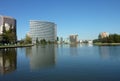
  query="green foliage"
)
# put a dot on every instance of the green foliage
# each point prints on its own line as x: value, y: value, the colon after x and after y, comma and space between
x: 112, y: 38
x: 43, y: 41
x: 21, y: 41
x: 57, y: 38
x: 28, y: 40
x: 8, y: 36
x: 49, y: 42
x: 4, y: 29
x: 37, y: 41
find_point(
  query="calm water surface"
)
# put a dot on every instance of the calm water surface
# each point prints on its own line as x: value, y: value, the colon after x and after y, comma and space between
x: 60, y: 63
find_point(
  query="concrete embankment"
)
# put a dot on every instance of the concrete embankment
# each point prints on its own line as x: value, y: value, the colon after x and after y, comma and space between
x: 15, y: 46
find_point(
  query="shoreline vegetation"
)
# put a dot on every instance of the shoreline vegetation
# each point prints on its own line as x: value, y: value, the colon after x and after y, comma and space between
x: 15, y: 46
x: 107, y: 40
x: 106, y: 44
x: 30, y: 45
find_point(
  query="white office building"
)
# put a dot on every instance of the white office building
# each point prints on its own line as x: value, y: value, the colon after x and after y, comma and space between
x: 40, y: 30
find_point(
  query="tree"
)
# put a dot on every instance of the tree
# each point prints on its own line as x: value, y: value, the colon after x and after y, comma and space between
x: 37, y: 41
x: 43, y: 41
x: 8, y: 36
x: 57, y: 38
x: 112, y: 38
x: 21, y: 41
x: 4, y: 29
x: 28, y: 40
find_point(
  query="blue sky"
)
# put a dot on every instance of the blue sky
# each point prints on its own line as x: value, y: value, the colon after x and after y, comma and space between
x: 87, y: 18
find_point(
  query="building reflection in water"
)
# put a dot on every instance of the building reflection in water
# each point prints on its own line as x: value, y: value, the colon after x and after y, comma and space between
x: 8, y: 59
x: 73, y: 49
x: 110, y: 52
x: 104, y: 52
x: 73, y: 45
x: 41, y: 56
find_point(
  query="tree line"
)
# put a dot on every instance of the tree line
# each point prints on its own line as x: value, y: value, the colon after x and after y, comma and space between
x: 28, y: 40
x: 112, y: 38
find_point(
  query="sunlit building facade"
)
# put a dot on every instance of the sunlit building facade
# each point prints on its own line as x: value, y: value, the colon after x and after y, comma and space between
x: 73, y: 38
x: 7, y: 23
x: 103, y: 35
x: 40, y: 30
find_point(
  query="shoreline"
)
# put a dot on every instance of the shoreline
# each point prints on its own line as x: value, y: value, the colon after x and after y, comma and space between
x: 106, y: 44
x: 16, y: 46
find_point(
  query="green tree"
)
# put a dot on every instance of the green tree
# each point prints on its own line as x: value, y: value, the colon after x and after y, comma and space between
x: 4, y: 29
x: 8, y: 36
x: 57, y: 38
x: 43, y: 41
x: 37, y: 41
x: 112, y: 38
x: 28, y: 40
x: 21, y: 41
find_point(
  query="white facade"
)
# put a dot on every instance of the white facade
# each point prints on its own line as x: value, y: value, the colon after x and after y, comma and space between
x: 40, y: 30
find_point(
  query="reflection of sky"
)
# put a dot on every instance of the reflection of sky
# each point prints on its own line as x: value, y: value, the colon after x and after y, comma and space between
x: 86, y: 66
x: 42, y: 57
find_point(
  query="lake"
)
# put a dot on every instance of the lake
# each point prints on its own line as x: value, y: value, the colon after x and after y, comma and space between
x: 60, y: 63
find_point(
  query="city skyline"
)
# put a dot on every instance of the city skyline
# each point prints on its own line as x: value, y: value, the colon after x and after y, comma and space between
x: 87, y: 18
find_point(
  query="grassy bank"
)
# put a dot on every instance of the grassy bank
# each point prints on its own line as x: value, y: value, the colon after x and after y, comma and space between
x: 15, y: 46
x: 107, y: 44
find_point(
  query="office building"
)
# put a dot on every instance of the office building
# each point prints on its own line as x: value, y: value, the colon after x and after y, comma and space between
x: 8, y: 23
x: 73, y: 38
x: 103, y: 35
x: 40, y: 30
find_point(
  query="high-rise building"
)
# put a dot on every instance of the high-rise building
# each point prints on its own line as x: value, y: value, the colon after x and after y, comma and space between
x: 40, y: 30
x: 103, y: 35
x: 8, y: 23
x: 73, y: 38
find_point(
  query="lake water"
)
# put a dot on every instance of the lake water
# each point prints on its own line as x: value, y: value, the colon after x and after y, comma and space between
x: 60, y: 63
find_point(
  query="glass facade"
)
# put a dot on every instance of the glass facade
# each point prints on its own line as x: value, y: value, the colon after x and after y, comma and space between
x: 42, y: 30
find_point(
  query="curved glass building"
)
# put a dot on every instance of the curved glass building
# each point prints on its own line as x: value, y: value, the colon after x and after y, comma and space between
x: 40, y: 30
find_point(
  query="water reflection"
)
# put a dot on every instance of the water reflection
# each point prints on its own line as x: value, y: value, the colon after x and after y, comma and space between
x: 41, y: 56
x: 7, y: 60
x: 109, y: 52
x: 73, y: 49
x: 73, y: 45
x: 104, y: 51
